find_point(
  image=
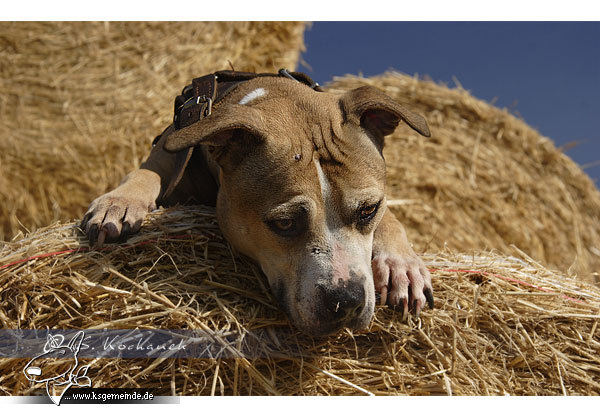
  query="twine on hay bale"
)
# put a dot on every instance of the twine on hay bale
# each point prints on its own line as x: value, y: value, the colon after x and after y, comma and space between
x: 502, y: 325
x: 80, y: 102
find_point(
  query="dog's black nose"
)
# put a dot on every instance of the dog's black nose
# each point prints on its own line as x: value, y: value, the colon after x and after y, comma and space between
x: 344, y: 301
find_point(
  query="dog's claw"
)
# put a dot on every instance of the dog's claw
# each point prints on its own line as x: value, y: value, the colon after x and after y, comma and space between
x: 125, y: 232
x: 429, y: 296
x: 84, y: 221
x: 93, y: 234
x: 404, y: 308
x: 383, y: 293
x: 418, y: 307
x: 101, y: 237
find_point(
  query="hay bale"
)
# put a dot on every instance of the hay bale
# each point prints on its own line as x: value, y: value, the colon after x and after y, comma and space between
x: 80, y: 102
x: 485, y: 180
x: 502, y: 325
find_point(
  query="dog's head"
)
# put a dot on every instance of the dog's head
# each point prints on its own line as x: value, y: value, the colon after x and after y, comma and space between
x: 302, y: 184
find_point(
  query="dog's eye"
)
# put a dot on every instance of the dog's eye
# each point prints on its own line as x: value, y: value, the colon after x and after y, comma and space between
x: 284, y: 224
x: 283, y: 227
x: 367, y: 213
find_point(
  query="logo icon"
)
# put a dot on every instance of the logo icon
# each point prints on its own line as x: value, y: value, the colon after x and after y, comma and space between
x: 59, y: 378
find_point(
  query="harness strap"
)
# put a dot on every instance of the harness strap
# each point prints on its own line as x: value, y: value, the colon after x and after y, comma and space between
x: 196, y: 100
x: 181, y: 160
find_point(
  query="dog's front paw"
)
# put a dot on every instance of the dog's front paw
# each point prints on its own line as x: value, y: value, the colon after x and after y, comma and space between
x: 113, y: 216
x: 403, y: 281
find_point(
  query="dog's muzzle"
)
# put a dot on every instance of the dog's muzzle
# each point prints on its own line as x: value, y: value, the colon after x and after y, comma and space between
x: 342, y: 304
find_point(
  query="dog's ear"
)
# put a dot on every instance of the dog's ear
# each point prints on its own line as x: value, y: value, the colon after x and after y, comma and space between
x: 225, y: 124
x: 379, y: 114
x: 231, y: 131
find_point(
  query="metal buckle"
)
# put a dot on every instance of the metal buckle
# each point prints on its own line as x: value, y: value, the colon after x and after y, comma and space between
x: 209, y: 101
x: 191, y: 102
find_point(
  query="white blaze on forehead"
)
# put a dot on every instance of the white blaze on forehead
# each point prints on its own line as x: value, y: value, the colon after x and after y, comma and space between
x: 352, y: 250
x: 259, y: 92
x: 323, y: 182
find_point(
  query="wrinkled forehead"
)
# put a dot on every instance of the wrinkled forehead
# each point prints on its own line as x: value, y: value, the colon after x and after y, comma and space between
x: 356, y: 178
x: 278, y: 171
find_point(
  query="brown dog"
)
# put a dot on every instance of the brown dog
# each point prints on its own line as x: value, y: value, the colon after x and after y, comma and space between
x: 298, y: 180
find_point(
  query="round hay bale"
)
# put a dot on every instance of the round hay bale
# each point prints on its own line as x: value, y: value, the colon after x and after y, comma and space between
x: 80, y: 102
x: 485, y: 180
x: 502, y: 325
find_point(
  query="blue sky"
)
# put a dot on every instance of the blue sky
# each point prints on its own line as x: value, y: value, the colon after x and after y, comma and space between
x: 547, y: 72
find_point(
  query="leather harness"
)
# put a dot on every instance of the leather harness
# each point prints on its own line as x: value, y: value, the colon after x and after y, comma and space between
x: 196, y: 100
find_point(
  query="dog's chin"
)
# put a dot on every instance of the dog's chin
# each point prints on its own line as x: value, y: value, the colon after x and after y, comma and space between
x: 326, y: 327
x: 363, y: 321
x: 315, y: 319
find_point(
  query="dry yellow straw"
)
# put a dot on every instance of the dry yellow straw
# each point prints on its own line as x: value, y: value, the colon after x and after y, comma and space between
x: 502, y: 324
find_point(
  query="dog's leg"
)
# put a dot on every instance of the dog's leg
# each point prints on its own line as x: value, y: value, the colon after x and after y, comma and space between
x: 121, y: 211
x: 400, y: 275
